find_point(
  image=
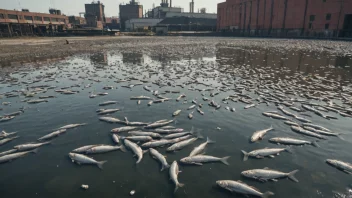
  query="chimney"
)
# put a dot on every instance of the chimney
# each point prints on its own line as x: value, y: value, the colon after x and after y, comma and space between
x: 170, y: 3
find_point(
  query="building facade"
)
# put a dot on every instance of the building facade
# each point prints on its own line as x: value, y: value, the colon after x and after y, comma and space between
x: 95, y: 14
x: 327, y: 18
x: 76, y: 20
x: 141, y: 24
x: 13, y: 23
x: 130, y: 11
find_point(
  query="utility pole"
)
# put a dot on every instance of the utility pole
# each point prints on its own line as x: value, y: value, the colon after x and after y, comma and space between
x: 338, y: 21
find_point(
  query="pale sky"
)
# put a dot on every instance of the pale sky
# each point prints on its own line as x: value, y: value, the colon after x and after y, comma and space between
x: 73, y: 7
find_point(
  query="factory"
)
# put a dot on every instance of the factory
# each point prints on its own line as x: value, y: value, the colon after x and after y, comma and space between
x: 132, y: 10
x: 25, y: 23
x: 95, y: 15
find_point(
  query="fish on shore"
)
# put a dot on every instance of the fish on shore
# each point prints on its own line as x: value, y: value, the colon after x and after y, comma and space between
x: 242, y: 188
x: 173, y: 172
x: 259, y: 135
x: 266, y: 174
x: 83, y: 159
x: 266, y: 152
x: 343, y: 166
x: 13, y: 156
x: 161, y: 158
x: 200, y: 159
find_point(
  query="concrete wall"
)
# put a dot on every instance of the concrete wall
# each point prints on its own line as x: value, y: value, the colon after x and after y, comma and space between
x: 283, y: 17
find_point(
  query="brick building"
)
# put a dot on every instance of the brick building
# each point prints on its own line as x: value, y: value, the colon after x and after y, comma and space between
x: 95, y: 15
x: 325, y: 18
x: 19, y: 23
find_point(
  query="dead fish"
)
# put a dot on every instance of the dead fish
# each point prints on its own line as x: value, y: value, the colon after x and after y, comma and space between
x: 242, y: 188
x: 200, y: 159
x: 266, y: 174
x: 52, y: 135
x: 161, y: 158
x: 108, y: 103
x: 124, y: 129
x: 174, y: 171
x: 83, y: 159
x: 107, y: 111
x: 71, y: 126
x: 176, y: 113
x: 258, y: 135
x: 13, y: 156
x: 36, y: 101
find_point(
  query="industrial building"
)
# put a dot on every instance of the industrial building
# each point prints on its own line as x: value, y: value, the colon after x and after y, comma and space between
x: 112, y: 22
x: 291, y: 18
x: 141, y: 24
x: 18, y: 23
x: 130, y: 11
x: 95, y: 15
x: 76, y: 20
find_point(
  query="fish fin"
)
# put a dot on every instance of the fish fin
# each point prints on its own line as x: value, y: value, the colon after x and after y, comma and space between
x: 209, y: 141
x: 314, y: 143
x: 274, y: 180
x: 199, y: 164
x: 123, y: 148
x: 289, y: 149
x: 79, y: 163
x: 272, y: 156
x: 199, y: 136
x: 165, y: 167
x: 177, y: 186
x: 34, y: 151
x: 224, y: 160
x: 291, y: 176
x: 266, y: 168
x: 261, y: 180
x: 100, y: 164
x: 259, y: 157
x: 245, y: 155
x: 345, y: 171
x: 340, y: 137
x: 267, y: 194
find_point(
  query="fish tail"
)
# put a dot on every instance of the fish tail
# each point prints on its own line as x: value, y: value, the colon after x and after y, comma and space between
x: 34, y: 151
x: 209, y: 141
x: 199, y: 135
x: 246, y: 155
x: 289, y: 149
x: 291, y: 175
x: 165, y: 167
x: 314, y: 143
x: 224, y: 160
x: 267, y: 194
x: 123, y: 148
x: 100, y: 164
x: 179, y: 185
x: 339, y: 136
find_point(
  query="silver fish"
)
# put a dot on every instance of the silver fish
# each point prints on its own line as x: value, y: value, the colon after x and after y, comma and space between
x: 292, y: 141
x: 302, y: 119
x: 136, y: 149
x: 83, y: 149
x: 178, y: 130
x: 105, y: 149
x: 116, y: 138
x: 141, y: 98
x: 123, y: 129
x: 174, y: 171
x: 276, y: 116
x: 258, y: 135
x: 107, y: 111
x: 158, y: 124
x: 8, y: 152
x: 180, y: 145
x: 242, y: 188
x: 306, y: 132
x: 36, y: 101
x: 71, y: 126
x: 266, y: 174
x: 7, y: 140
x: 200, y: 149
x: 190, y: 115
x: 112, y: 120
x: 266, y: 152
x: 200, y: 159
x: 156, y: 143
x: 139, y: 138
x: 4, y: 134
x: 14, y: 156
x: 83, y: 159
x: 344, y: 166
x: 160, y: 158
x: 191, y: 107
x: 316, y: 126
x: 291, y: 123
x: 250, y: 106
x: 26, y: 147
x: 145, y: 133
x: 53, y: 134
x: 176, y: 113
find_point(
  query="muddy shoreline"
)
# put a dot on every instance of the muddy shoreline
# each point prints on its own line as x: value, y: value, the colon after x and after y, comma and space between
x: 22, y: 50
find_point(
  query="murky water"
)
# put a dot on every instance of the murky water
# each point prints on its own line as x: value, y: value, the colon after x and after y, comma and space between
x: 50, y: 173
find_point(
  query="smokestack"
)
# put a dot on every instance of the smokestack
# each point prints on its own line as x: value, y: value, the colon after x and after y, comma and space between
x: 170, y: 3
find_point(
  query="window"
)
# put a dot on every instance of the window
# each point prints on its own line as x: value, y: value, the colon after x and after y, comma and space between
x: 38, y: 18
x: 46, y: 19
x: 54, y: 19
x: 327, y: 26
x: 312, y: 18
x: 328, y: 16
x: 29, y: 18
x: 2, y: 16
x: 20, y: 16
x: 310, y: 26
x: 12, y: 16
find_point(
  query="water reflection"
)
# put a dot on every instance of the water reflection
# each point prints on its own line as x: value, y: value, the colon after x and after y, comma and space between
x: 134, y: 58
x: 99, y: 58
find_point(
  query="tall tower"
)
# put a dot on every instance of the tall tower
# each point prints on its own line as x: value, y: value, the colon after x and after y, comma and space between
x: 191, y: 7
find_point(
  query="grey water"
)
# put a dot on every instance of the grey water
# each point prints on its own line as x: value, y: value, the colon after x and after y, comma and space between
x: 50, y: 172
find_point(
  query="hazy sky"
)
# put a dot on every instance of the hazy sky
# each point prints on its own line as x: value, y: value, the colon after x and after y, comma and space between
x: 73, y: 7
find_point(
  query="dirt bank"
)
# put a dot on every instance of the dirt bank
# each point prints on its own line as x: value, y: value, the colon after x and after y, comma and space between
x: 36, y: 49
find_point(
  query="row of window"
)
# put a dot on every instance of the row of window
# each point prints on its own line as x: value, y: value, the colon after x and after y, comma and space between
x: 30, y: 18
x: 327, y: 17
